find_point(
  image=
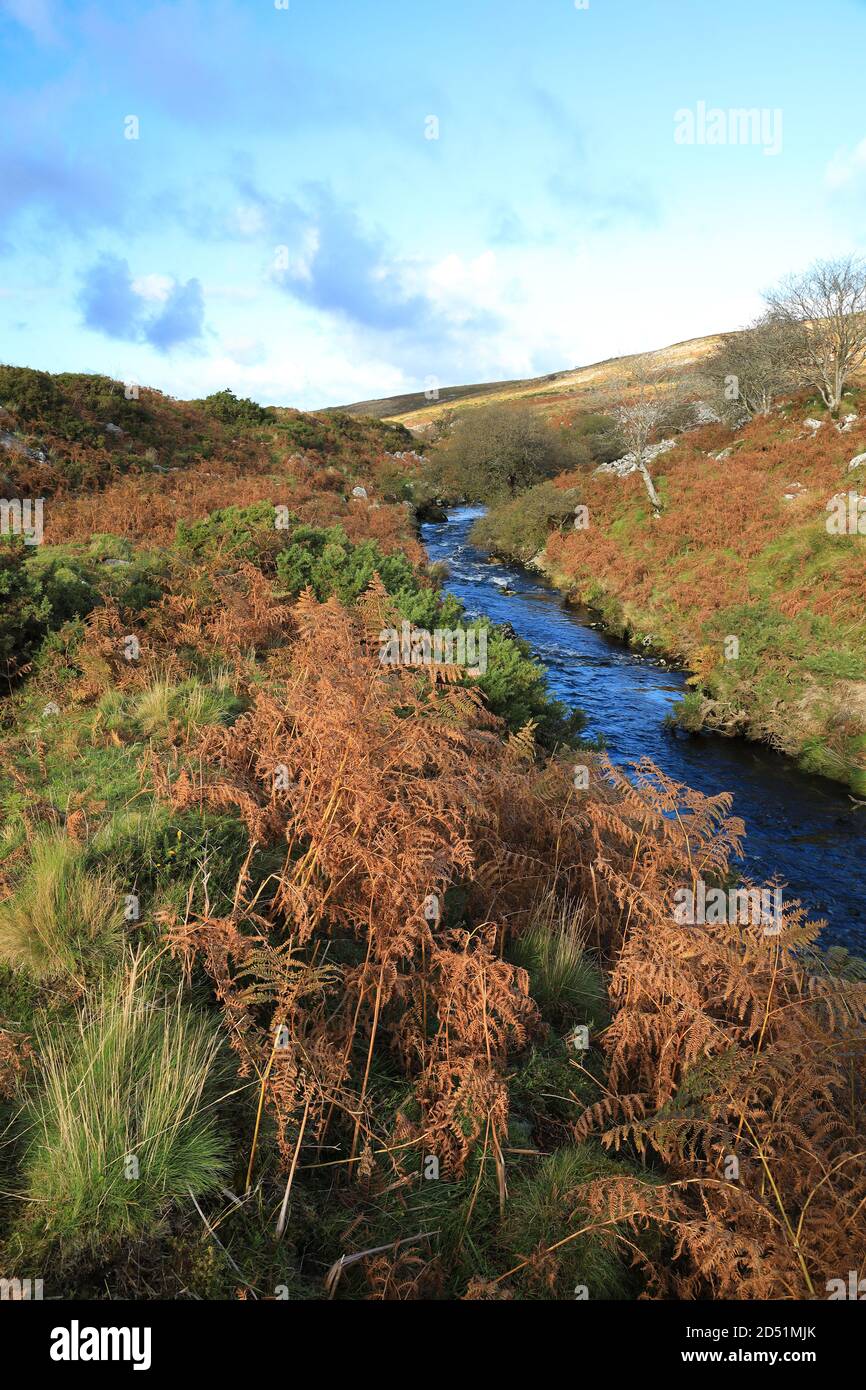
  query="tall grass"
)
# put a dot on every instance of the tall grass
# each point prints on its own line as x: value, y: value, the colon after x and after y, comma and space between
x: 119, y: 1130
x: 564, y: 978
x: 545, y: 1209
x: 63, y: 919
x: 164, y: 705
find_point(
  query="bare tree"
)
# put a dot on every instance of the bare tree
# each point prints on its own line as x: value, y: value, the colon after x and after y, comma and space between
x: 650, y: 403
x: 825, y: 311
x: 751, y: 368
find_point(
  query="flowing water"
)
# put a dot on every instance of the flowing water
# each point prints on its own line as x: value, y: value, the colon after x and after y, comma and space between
x: 804, y: 830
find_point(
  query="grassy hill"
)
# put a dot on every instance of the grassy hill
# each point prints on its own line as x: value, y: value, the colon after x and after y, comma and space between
x: 580, y: 388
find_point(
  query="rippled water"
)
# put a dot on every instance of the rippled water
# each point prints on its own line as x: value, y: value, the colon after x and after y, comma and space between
x: 804, y: 829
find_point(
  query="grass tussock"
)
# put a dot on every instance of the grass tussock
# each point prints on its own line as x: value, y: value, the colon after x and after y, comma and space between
x: 566, y: 982
x: 165, y: 708
x: 120, y: 1129
x: 63, y: 921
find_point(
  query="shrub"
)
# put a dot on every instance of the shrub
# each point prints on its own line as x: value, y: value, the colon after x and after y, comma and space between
x: 25, y: 609
x: 325, y: 559
x: 234, y: 410
x: 492, y: 451
x: 240, y: 533
x: 598, y: 433
x: 38, y: 593
x: 73, y: 406
x: 515, y: 686
x: 28, y: 394
x: 518, y: 529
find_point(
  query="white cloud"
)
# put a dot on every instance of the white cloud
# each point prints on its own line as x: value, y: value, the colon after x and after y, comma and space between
x: 154, y: 288
x: 310, y: 376
x: 288, y: 266
x: 455, y: 282
x: 249, y: 219
x: 248, y: 352
x: 233, y: 294
x: 846, y: 167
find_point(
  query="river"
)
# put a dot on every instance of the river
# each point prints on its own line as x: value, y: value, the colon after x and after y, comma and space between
x: 803, y: 830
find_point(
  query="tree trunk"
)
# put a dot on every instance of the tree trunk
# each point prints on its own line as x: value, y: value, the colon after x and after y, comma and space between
x: 649, y: 485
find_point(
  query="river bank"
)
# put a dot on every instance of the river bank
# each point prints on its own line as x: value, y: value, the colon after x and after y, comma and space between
x: 740, y: 578
x: 800, y: 828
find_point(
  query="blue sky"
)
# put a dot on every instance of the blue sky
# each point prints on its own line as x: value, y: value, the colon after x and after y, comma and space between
x: 283, y: 224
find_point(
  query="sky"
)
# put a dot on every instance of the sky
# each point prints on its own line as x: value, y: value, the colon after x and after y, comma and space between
x: 314, y: 202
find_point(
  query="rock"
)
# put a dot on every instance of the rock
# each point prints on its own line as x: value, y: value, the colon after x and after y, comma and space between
x: 726, y: 453
x: 113, y: 429
x: 629, y: 462
x: 847, y: 424
x: 359, y: 492
x: 794, y: 491
x: 14, y: 445
x: 857, y: 461
x: 813, y: 425
x: 431, y: 511
x: 405, y: 454
x: 704, y: 414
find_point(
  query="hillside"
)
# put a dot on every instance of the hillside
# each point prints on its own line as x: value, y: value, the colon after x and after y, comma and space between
x: 581, y: 388
x: 740, y: 576
x: 74, y: 432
